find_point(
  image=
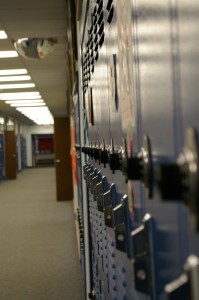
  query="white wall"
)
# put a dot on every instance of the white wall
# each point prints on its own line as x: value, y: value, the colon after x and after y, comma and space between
x: 34, y: 129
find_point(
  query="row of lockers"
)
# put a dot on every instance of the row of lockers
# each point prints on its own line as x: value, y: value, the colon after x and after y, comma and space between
x: 139, y: 91
x: 23, y: 155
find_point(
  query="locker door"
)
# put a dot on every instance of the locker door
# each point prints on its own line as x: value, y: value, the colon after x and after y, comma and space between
x: 156, y: 112
x: 189, y: 89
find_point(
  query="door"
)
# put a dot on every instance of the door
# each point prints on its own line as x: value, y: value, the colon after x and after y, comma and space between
x: 10, y: 155
x: 64, y: 184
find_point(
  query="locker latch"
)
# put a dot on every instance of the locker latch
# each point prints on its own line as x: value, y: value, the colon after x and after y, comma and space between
x: 100, y: 190
x: 109, y: 203
x: 103, y: 154
x: 95, y: 180
x: 186, y: 287
x: 143, y: 257
x: 85, y: 168
x: 139, y: 167
x: 92, y: 179
x: 113, y: 158
x: 92, y: 295
x: 96, y: 150
x: 91, y: 150
x: 85, y: 149
x: 121, y: 218
x: 88, y: 173
x: 180, y: 180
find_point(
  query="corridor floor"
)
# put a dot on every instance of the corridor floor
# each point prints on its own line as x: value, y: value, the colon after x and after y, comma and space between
x: 38, y: 250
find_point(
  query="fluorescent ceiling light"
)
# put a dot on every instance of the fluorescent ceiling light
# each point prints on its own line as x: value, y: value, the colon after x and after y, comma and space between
x: 27, y: 104
x: 13, y: 72
x: 40, y: 115
x: 17, y: 86
x: 4, y: 54
x: 25, y: 101
x: 3, y: 35
x: 20, y: 95
x: 15, y: 78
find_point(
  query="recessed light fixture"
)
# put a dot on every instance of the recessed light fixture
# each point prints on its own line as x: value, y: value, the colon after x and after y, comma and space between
x: 15, y: 78
x: 17, y: 86
x: 13, y: 72
x: 3, y: 35
x: 4, y: 54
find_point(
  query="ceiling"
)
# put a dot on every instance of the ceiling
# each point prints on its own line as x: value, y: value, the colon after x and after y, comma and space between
x: 38, y: 18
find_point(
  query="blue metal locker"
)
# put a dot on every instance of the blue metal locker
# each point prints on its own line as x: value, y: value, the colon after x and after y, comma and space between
x: 139, y: 87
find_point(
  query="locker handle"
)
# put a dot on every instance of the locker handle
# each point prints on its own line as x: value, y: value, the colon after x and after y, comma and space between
x: 103, y: 154
x: 113, y: 157
x: 138, y: 167
x: 186, y: 286
x: 178, y: 181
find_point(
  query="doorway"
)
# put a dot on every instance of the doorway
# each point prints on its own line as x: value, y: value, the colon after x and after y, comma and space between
x: 43, y: 150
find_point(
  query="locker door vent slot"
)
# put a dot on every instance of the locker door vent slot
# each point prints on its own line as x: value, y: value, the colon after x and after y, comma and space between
x: 110, y: 15
x: 101, y: 17
x: 109, y: 4
x: 101, y: 29
x: 101, y: 40
x: 100, y: 7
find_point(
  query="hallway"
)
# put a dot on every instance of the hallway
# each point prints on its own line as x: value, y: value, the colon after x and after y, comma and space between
x: 38, y: 250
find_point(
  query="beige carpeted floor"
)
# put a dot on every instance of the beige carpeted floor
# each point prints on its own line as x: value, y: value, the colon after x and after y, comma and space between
x: 38, y: 251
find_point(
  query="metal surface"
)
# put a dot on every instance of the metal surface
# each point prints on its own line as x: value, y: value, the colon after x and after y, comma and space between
x: 143, y: 71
